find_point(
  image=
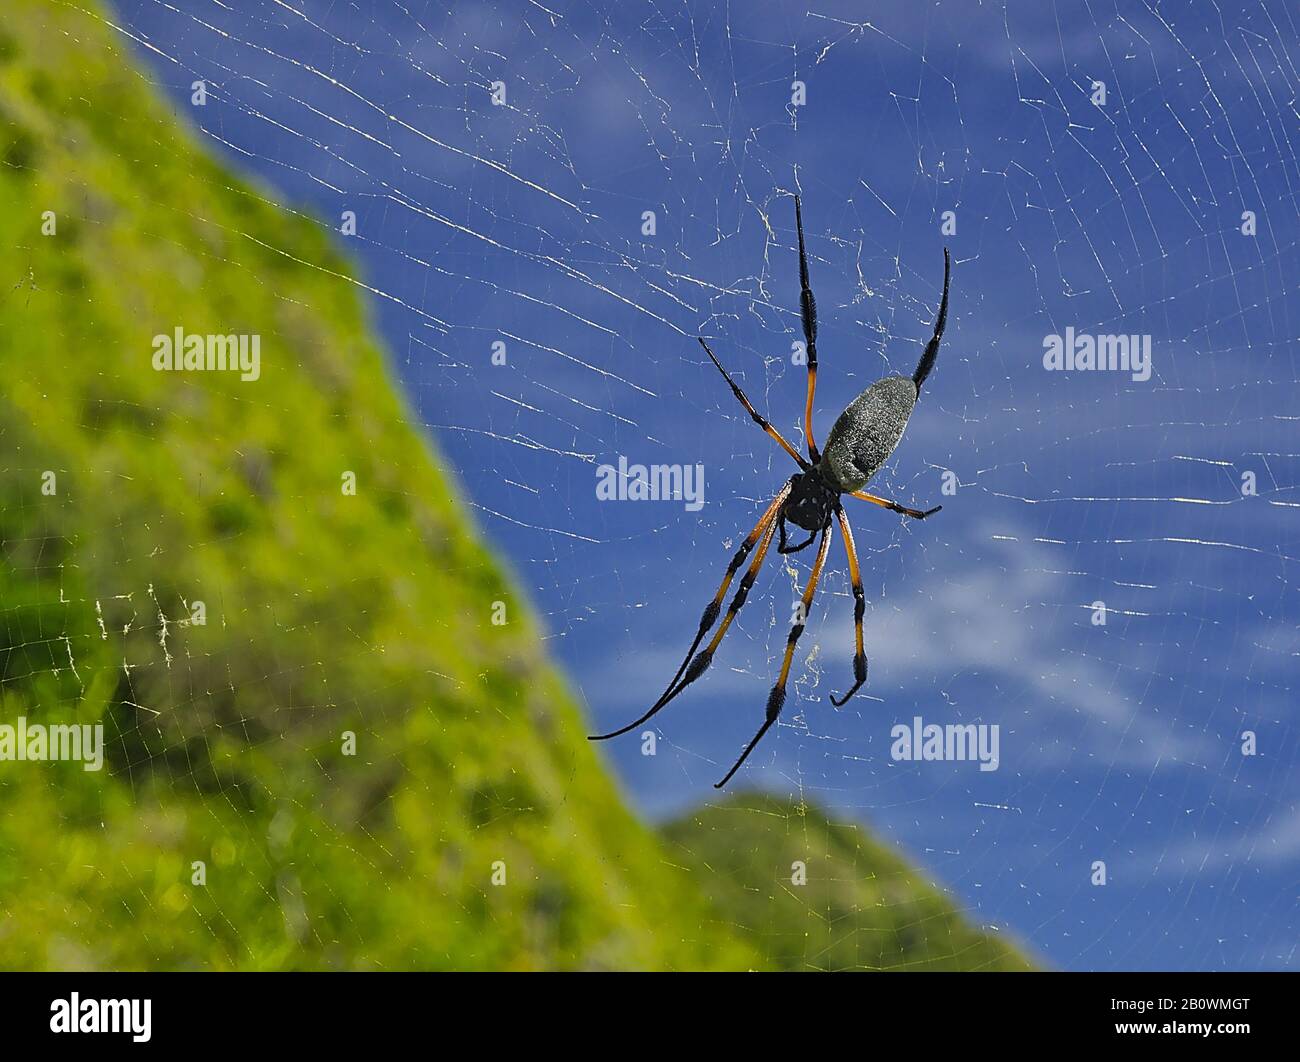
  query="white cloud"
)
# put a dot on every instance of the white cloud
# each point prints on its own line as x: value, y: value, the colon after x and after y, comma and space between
x: 1013, y: 618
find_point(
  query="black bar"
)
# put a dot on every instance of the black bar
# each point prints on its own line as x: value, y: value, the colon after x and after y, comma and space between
x: 341, y: 1011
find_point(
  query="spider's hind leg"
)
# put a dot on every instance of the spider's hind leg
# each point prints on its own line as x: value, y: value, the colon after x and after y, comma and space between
x: 808, y: 316
x: 926, y: 363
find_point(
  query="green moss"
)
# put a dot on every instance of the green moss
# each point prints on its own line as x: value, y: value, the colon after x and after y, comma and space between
x: 229, y: 828
x: 326, y: 613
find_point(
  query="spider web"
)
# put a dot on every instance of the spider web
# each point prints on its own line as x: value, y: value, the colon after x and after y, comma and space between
x: 522, y: 223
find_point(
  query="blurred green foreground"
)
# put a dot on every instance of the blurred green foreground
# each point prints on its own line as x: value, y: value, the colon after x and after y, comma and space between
x: 324, y: 613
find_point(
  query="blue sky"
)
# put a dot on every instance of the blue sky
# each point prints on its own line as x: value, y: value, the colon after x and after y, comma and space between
x: 522, y: 223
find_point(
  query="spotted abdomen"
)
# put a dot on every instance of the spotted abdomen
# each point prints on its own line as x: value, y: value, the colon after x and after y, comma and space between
x: 867, y: 432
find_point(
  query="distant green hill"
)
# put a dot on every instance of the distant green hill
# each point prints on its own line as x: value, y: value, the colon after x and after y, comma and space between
x: 129, y: 496
x: 859, y: 907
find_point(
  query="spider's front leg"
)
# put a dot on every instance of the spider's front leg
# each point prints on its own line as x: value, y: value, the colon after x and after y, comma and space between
x: 776, y: 699
x: 694, y: 665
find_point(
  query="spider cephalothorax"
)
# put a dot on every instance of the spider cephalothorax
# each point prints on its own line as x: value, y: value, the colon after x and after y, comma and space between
x: 811, y: 505
x: 862, y: 438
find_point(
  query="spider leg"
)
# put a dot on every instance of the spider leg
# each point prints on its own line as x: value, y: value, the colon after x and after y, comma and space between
x: 763, y: 530
x: 915, y: 514
x: 759, y: 419
x: 776, y: 699
x: 926, y: 363
x: 859, y: 609
x: 782, y: 547
x: 808, y: 313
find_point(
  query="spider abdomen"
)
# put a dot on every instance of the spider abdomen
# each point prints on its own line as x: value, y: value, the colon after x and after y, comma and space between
x: 866, y: 433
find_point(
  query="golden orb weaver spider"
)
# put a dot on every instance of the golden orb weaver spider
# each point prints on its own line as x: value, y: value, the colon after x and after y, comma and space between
x: 861, y: 440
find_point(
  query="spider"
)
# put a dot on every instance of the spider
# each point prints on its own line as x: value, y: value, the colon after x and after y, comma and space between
x: 861, y: 440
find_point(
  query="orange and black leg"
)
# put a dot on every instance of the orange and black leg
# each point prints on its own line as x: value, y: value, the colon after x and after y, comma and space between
x: 776, y: 699
x: 698, y: 664
x: 894, y: 507
x: 859, y: 609
x: 759, y: 419
x: 808, y: 312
